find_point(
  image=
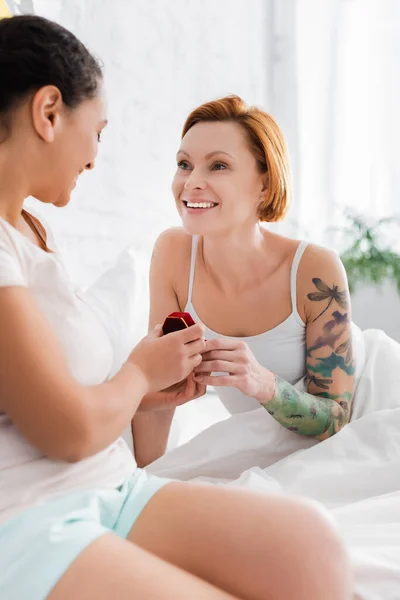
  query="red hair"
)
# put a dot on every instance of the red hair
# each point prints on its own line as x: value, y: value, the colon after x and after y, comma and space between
x: 266, y: 143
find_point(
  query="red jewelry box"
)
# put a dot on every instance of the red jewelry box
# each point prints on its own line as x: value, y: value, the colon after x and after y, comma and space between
x: 176, y: 321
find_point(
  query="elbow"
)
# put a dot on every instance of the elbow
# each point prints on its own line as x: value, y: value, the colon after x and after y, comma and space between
x: 74, y: 454
x: 66, y: 432
x: 80, y: 447
x: 144, y: 459
x: 70, y: 451
x: 336, y: 424
x: 326, y: 435
x: 75, y: 443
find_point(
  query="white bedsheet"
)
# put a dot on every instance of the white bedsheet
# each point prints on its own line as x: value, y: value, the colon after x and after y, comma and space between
x: 355, y: 474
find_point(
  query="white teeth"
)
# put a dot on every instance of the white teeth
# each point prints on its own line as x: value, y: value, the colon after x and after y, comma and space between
x: 200, y: 204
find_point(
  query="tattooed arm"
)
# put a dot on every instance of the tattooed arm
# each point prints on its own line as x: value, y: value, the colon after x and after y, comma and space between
x: 323, y: 302
x: 324, y: 299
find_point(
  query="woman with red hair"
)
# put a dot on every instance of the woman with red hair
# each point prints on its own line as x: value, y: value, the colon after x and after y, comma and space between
x: 275, y: 310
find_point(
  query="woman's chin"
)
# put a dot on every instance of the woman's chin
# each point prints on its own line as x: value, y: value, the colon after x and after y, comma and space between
x: 62, y: 200
x: 194, y: 227
x: 48, y: 198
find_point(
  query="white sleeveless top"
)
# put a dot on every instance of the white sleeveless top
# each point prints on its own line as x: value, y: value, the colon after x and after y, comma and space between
x: 281, y: 349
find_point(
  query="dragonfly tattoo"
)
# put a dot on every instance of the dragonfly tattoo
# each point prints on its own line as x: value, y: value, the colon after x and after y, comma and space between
x: 318, y: 381
x: 327, y: 293
x: 347, y: 349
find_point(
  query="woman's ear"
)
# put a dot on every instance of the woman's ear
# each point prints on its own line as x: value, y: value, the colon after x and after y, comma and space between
x: 263, y: 193
x: 265, y: 183
x: 47, y: 105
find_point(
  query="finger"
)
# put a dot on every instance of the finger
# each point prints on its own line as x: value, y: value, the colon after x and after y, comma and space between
x: 201, y: 390
x: 190, y: 389
x: 213, y: 366
x: 156, y: 332
x: 229, y: 355
x: 217, y: 380
x: 192, y: 333
x: 201, y: 386
x: 193, y: 390
x: 194, y: 361
x: 176, y: 387
x: 189, y: 334
x: 224, y: 344
x: 195, y: 347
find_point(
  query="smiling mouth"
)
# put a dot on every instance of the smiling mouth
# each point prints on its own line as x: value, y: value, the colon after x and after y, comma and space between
x: 199, y: 205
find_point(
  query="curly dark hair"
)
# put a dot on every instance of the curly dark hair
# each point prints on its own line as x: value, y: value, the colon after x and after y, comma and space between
x: 35, y: 52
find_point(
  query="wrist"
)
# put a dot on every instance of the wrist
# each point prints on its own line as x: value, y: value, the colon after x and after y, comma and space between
x: 268, y: 389
x: 132, y: 375
x: 147, y: 403
x: 156, y: 402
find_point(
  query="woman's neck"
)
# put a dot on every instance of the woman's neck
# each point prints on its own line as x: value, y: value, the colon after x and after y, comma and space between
x: 12, y: 192
x: 237, y: 261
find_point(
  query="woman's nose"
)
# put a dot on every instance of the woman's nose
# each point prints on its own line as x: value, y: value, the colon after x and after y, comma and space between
x: 195, y: 181
x: 90, y: 165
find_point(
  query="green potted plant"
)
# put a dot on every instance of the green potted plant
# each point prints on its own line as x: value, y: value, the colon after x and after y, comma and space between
x: 367, y: 256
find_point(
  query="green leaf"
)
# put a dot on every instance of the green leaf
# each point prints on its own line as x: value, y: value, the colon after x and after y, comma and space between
x: 366, y: 259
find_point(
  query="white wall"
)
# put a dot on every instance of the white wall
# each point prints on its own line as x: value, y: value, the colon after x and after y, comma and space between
x: 378, y: 308
x: 162, y: 58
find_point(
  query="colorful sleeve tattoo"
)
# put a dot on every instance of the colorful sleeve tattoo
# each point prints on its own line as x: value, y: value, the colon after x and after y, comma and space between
x: 325, y: 408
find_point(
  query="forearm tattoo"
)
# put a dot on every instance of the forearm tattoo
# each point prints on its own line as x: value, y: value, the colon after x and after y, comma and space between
x: 308, y: 414
x: 323, y: 413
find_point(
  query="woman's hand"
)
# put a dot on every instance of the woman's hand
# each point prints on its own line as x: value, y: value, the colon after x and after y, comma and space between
x: 176, y: 395
x: 166, y: 360
x: 239, y: 368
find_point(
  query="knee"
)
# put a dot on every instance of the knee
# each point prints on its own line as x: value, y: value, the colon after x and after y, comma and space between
x: 321, y: 545
x: 301, y: 539
x: 320, y: 525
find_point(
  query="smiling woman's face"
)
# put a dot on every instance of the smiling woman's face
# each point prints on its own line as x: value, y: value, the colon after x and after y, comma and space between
x: 217, y: 186
x: 73, y: 149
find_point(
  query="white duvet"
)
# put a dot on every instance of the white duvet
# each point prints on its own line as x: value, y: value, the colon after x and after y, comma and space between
x: 355, y: 474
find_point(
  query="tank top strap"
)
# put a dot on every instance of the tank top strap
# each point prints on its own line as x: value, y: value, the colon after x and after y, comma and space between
x: 195, y: 243
x: 293, y: 278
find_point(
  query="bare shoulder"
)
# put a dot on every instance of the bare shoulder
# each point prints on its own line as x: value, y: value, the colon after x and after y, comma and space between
x: 170, y: 261
x: 318, y: 259
x: 172, y: 249
x: 173, y: 239
x: 321, y: 275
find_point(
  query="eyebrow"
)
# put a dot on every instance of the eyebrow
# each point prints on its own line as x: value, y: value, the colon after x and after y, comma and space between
x: 210, y: 154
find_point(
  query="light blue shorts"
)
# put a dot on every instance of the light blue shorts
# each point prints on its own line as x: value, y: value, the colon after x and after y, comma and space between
x: 39, y: 544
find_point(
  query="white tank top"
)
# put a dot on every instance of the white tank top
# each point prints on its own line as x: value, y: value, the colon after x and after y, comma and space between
x: 281, y: 349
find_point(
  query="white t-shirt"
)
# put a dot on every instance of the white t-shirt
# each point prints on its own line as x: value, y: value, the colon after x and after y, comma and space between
x: 27, y: 477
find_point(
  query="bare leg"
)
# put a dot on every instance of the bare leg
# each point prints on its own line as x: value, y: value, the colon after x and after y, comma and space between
x: 255, y: 546
x: 112, y: 569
